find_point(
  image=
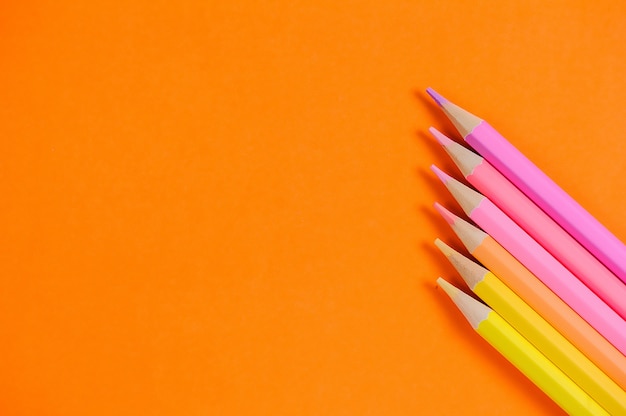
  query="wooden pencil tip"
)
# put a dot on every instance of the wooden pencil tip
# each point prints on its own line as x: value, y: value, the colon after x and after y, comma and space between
x: 440, y: 137
x: 447, y: 215
x: 447, y: 287
x: 467, y: 198
x: 464, y: 121
x: 474, y: 311
x: 436, y: 96
x: 471, y: 237
x: 444, y: 248
x: 471, y: 272
x: 443, y: 177
x: 463, y: 158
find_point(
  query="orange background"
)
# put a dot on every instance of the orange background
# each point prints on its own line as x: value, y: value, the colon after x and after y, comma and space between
x: 225, y: 208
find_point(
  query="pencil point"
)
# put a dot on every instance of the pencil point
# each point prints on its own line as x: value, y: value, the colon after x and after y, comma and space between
x: 443, y: 177
x: 467, y: 198
x: 471, y: 272
x: 444, y: 248
x: 464, y: 121
x: 474, y: 311
x: 447, y: 287
x: 440, y: 137
x: 435, y: 96
x: 447, y: 215
x: 471, y: 237
x: 463, y: 158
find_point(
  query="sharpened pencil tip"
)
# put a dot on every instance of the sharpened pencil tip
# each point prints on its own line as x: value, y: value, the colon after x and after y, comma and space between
x: 444, y: 248
x: 447, y: 215
x: 444, y: 177
x: 435, y: 96
x: 474, y: 311
x: 450, y: 289
x: 443, y: 140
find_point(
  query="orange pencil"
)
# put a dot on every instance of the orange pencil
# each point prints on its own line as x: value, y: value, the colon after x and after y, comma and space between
x: 493, y: 256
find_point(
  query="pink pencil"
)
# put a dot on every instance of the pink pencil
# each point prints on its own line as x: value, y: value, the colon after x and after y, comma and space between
x: 537, y: 186
x: 541, y: 263
x: 484, y: 177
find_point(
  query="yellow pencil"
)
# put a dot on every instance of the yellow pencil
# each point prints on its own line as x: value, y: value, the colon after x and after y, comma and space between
x: 523, y: 355
x: 539, y: 332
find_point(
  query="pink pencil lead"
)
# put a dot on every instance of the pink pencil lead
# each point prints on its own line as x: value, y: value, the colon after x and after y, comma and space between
x: 435, y: 96
x: 440, y: 137
x: 447, y: 215
x: 444, y: 177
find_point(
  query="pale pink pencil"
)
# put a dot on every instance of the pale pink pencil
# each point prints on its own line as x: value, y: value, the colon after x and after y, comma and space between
x: 484, y: 177
x: 541, y: 263
x: 537, y: 186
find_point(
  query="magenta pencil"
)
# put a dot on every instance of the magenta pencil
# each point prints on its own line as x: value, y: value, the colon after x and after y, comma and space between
x: 541, y: 263
x: 537, y: 186
x: 491, y: 183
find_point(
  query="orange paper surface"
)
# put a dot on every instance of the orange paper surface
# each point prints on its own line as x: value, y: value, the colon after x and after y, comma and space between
x: 225, y: 208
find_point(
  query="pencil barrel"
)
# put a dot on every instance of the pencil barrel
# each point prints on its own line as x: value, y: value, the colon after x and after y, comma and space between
x: 537, y: 367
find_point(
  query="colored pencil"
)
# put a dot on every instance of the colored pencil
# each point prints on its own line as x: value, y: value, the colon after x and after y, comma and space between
x: 538, y: 331
x: 521, y: 353
x: 537, y: 186
x: 541, y: 263
x: 486, y: 179
x: 521, y: 281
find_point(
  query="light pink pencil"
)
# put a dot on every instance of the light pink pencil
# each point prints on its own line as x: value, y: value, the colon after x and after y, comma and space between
x: 537, y: 186
x: 491, y: 183
x: 541, y: 263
